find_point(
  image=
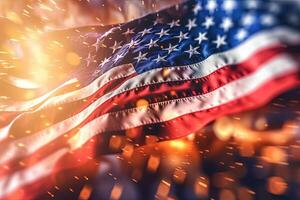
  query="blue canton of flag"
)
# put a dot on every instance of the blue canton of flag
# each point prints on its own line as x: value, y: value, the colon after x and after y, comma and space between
x: 189, y: 33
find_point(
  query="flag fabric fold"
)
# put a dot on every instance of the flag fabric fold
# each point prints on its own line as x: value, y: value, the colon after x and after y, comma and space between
x: 167, y: 74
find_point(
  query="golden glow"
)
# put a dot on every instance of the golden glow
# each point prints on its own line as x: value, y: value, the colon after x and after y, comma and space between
x: 75, y: 140
x: 246, y: 149
x: 116, y: 192
x: 142, y: 103
x: 153, y: 163
x: 115, y: 142
x: 23, y: 83
x: 261, y: 123
x: 13, y: 17
x: 191, y: 137
x: 128, y: 150
x: 227, y: 195
x: 273, y: 154
x: 29, y: 95
x: 133, y: 133
x: 151, y: 139
x: 201, y: 187
x: 276, y: 185
x: 178, y: 144
x: 244, y: 193
x: 166, y: 72
x: 73, y: 59
x: 277, y: 137
x: 39, y: 60
x: 223, y: 128
x: 85, y: 193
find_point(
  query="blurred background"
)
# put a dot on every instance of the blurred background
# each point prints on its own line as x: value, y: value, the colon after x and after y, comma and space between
x: 252, y: 155
x: 74, y: 13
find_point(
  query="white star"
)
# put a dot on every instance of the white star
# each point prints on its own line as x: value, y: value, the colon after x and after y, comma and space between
x: 252, y: 4
x: 220, y: 41
x: 145, y: 31
x: 128, y: 31
x: 152, y: 43
x: 197, y: 8
x: 97, y: 44
x: 90, y: 59
x: 241, y: 34
x: 133, y: 43
x: 226, y: 24
x: 209, y: 21
x: 174, y: 23
x: 162, y: 32
x: 182, y: 36
x: 171, y: 48
x: 248, y: 19
x: 191, y: 24
x: 201, y: 37
x: 118, y: 57
x: 141, y: 57
x: 116, y: 46
x: 274, y: 7
x: 160, y: 59
x: 229, y: 5
x: 106, y: 60
x: 267, y: 20
x: 211, y: 6
x: 192, y: 51
x: 158, y: 20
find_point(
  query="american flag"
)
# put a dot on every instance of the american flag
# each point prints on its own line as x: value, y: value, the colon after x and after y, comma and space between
x: 165, y: 75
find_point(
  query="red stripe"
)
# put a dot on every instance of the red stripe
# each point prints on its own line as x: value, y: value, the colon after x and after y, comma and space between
x: 186, y: 124
x: 192, y: 122
x: 183, y: 88
x: 172, y: 129
x: 179, y: 89
x: 152, y: 93
x: 54, y: 115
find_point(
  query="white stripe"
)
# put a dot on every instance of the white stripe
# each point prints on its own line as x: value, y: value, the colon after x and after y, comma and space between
x: 4, y: 132
x: 26, y: 105
x: 111, y: 75
x: 22, y: 83
x: 257, y: 42
x: 42, y: 169
x: 273, y: 68
x: 125, y: 70
x: 167, y: 110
